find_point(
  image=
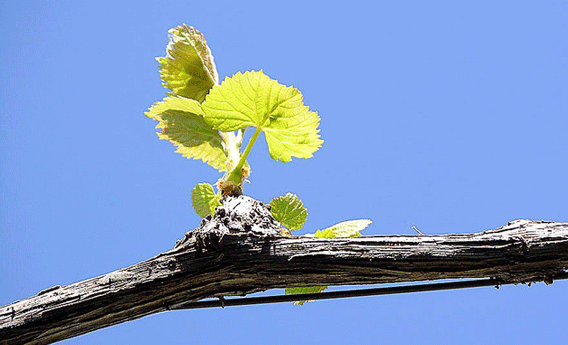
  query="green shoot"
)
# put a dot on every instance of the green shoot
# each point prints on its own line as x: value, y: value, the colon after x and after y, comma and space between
x: 200, y: 117
x: 206, y: 120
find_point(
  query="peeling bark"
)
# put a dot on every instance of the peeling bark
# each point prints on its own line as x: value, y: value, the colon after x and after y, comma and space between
x: 240, y: 250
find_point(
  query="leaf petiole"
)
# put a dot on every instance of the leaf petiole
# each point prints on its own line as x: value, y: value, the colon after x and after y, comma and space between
x: 235, y: 177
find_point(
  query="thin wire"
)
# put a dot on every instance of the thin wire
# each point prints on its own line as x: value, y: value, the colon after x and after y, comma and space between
x: 467, y: 284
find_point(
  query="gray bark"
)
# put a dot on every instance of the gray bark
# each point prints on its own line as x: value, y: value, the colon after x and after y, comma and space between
x: 240, y: 250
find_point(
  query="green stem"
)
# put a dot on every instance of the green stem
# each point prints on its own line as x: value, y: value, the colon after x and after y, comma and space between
x: 243, y: 159
x: 235, y: 176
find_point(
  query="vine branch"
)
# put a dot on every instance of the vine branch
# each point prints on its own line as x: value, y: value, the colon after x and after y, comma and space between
x: 240, y: 251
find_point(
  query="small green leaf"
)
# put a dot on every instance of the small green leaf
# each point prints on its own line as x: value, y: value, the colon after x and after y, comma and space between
x: 252, y: 99
x: 302, y: 290
x: 188, y: 68
x: 204, y: 199
x: 324, y: 234
x: 289, y: 211
x: 349, y: 228
x: 181, y: 121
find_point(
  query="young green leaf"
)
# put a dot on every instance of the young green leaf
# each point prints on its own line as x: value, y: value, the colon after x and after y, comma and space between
x: 302, y: 290
x: 204, y: 199
x: 252, y: 99
x: 188, y: 68
x: 181, y: 121
x: 349, y: 228
x: 289, y: 211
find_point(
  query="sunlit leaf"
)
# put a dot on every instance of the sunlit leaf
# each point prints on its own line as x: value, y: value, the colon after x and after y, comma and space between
x: 188, y: 68
x: 252, y: 99
x: 181, y: 122
x: 289, y: 211
x: 349, y: 228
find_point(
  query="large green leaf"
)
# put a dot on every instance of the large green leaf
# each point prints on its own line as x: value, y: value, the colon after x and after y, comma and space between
x: 302, y: 290
x: 181, y: 121
x: 204, y: 199
x: 252, y: 99
x: 289, y: 211
x: 188, y: 68
x: 349, y: 228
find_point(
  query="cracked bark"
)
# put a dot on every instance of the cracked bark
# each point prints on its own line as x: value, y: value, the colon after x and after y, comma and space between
x: 240, y: 250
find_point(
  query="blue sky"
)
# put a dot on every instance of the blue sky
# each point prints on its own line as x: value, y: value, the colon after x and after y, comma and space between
x: 449, y: 116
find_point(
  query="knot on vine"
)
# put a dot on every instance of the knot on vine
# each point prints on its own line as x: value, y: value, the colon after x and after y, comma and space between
x: 240, y: 217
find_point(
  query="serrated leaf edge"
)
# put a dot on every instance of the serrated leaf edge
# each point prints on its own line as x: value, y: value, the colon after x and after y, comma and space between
x: 295, y: 198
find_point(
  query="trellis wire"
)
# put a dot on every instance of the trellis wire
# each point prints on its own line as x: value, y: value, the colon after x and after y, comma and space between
x: 392, y: 290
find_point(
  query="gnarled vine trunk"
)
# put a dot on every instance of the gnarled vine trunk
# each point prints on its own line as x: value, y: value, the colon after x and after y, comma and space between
x: 240, y: 250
